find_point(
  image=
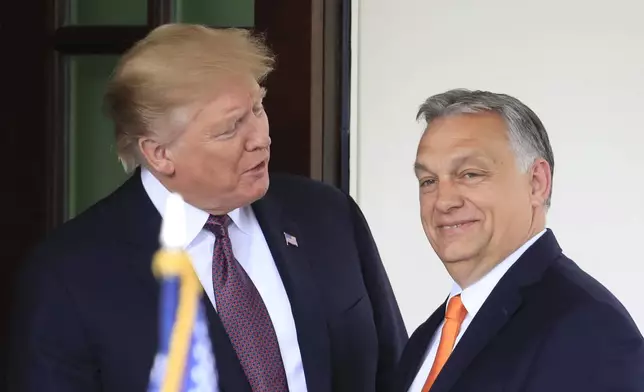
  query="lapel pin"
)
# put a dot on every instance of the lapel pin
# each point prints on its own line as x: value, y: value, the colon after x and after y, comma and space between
x: 290, y: 240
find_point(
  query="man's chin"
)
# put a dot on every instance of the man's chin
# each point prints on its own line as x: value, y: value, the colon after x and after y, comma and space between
x: 455, y: 254
x: 259, y: 188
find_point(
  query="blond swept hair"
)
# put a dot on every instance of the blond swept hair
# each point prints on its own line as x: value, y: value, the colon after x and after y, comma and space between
x: 176, y: 65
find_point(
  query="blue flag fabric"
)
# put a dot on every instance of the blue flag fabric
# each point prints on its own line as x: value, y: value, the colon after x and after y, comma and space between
x: 197, y: 367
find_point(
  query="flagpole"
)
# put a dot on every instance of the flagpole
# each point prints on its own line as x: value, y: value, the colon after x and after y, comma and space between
x: 173, y: 262
x: 176, y: 263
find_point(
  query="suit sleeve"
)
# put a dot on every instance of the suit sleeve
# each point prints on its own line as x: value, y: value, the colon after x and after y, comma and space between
x: 392, y: 335
x: 595, y: 349
x: 48, y: 350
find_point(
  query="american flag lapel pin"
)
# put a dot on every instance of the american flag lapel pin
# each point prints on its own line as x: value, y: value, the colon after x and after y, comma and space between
x: 290, y: 240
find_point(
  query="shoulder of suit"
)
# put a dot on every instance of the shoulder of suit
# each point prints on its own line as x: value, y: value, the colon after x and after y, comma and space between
x: 284, y: 184
x: 83, y: 233
x: 570, y: 292
x: 302, y: 196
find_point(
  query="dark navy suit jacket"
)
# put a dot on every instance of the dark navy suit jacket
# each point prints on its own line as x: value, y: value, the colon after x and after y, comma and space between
x: 86, y: 310
x: 546, y: 327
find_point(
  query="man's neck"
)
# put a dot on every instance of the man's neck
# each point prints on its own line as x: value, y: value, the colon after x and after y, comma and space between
x: 468, y: 272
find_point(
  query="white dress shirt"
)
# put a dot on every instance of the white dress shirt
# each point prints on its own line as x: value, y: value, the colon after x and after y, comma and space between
x: 252, y: 252
x: 473, y: 298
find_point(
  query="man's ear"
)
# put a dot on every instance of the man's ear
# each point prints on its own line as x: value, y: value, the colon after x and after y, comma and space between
x: 156, y: 155
x: 540, y: 182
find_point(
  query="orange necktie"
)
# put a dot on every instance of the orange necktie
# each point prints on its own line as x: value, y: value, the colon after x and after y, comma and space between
x: 454, y: 317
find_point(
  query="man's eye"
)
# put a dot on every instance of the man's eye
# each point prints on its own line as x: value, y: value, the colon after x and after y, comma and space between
x: 235, y: 126
x: 230, y: 131
x: 427, y: 182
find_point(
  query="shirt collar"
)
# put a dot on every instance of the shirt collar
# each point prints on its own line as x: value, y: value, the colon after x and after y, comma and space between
x: 195, y: 218
x: 243, y: 219
x: 475, y: 295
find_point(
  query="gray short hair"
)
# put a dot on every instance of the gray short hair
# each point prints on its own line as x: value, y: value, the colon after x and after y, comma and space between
x: 528, y: 136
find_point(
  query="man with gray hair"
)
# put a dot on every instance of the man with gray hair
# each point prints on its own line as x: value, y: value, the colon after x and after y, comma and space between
x: 521, y: 316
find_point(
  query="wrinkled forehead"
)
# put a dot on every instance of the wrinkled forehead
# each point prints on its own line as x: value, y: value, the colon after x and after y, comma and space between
x: 236, y: 98
x: 231, y: 89
x: 464, y: 131
x: 223, y: 98
x: 463, y: 138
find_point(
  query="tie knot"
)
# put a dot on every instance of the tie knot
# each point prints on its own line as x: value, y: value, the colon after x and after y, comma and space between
x: 218, y: 224
x: 455, y: 309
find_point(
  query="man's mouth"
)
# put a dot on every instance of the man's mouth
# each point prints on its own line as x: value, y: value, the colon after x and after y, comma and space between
x: 260, y: 166
x: 456, y: 225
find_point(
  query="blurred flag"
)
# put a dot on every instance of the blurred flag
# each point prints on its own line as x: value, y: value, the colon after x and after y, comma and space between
x: 184, y: 360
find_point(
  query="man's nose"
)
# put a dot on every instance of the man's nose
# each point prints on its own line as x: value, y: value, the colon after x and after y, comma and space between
x: 259, y: 136
x: 448, y: 196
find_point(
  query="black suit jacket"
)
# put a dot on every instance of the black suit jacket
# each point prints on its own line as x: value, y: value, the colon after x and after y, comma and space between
x: 86, y: 311
x: 546, y: 327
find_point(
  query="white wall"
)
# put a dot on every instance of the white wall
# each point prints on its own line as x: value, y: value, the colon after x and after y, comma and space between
x: 579, y: 65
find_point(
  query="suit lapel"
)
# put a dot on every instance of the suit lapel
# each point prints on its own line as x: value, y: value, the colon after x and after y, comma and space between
x: 140, y: 230
x: 488, y: 321
x: 306, y: 304
x: 498, y: 308
x: 417, y: 347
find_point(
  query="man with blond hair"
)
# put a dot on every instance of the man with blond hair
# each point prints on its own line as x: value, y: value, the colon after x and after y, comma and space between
x: 296, y: 294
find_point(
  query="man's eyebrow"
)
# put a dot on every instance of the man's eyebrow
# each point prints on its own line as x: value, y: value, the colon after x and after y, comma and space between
x: 459, y: 161
x: 419, y: 167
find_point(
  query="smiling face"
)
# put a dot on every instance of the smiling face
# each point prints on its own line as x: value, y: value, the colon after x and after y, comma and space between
x: 219, y: 161
x: 477, y: 206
